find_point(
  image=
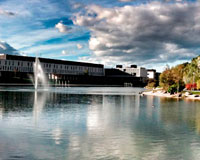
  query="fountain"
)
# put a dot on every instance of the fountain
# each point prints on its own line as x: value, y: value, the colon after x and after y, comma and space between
x: 39, y: 75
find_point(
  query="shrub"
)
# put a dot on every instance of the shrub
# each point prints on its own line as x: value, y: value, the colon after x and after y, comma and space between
x: 151, y: 83
x: 191, y: 86
x: 172, y: 89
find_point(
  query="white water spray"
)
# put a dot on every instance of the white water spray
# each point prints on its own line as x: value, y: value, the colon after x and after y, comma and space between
x: 39, y: 75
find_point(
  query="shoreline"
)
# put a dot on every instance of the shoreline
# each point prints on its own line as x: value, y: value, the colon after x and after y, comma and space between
x: 160, y: 93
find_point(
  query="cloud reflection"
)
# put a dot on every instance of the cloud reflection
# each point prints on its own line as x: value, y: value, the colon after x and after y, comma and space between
x: 57, y: 135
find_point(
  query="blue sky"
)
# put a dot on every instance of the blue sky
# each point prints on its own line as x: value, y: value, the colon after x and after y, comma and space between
x: 143, y: 32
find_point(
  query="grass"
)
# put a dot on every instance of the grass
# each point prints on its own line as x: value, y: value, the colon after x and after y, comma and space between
x: 195, y: 92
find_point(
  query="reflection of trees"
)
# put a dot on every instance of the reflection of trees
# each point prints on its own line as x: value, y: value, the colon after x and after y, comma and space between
x: 197, y: 119
x: 179, y: 112
x: 170, y: 111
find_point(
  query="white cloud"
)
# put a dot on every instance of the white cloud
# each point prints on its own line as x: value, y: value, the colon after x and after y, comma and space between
x: 7, y: 13
x: 79, y: 46
x: 62, y: 28
x: 149, y: 33
x: 29, y: 38
x: 64, y: 52
x: 125, y: 0
x: 78, y: 5
x: 45, y: 48
x: 5, y: 48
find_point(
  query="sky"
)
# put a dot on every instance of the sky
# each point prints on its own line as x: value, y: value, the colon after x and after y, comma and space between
x: 148, y: 33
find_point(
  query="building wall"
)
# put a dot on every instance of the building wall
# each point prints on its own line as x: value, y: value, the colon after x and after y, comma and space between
x: 151, y: 74
x: 50, y: 68
x: 137, y: 72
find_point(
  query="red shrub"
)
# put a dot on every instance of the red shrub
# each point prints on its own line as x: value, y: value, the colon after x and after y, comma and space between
x: 191, y: 86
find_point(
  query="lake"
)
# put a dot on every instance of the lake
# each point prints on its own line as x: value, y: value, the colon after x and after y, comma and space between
x: 96, y: 123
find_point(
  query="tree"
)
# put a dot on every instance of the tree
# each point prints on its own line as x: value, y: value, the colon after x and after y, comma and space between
x: 172, y: 78
x: 151, y: 83
x: 178, y: 76
x: 192, y: 72
x: 166, y: 79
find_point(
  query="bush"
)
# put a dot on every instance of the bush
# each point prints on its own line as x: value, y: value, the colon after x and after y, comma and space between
x: 151, y: 83
x: 172, y: 89
x: 191, y: 86
x: 175, y: 88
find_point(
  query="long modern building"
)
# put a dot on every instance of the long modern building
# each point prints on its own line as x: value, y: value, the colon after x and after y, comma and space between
x: 20, y: 70
x: 15, y: 69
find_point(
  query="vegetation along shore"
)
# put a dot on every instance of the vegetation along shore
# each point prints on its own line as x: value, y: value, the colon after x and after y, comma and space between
x: 181, y: 81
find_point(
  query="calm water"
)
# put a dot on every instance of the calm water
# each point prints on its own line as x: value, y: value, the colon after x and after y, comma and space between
x: 96, y: 123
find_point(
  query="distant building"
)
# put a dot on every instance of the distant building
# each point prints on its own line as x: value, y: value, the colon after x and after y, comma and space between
x: 151, y: 73
x: 115, y: 76
x: 13, y: 63
x: 17, y: 70
x: 134, y: 70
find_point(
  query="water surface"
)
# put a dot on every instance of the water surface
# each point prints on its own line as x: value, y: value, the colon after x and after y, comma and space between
x: 96, y: 123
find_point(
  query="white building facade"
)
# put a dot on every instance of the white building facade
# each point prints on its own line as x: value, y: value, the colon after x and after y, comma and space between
x: 151, y: 73
x: 134, y: 70
x: 11, y: 63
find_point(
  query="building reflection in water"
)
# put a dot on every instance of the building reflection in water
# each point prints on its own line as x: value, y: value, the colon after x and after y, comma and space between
x: 1, y: 113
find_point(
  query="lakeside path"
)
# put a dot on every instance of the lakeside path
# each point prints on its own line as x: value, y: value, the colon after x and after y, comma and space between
x: 168, y: 95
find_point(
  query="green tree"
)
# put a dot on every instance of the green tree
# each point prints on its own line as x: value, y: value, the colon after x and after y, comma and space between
x: 178, y: 76
x: 192, y: 72
x: 172, y: 79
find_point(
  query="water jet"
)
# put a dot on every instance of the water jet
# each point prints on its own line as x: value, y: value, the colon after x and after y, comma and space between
x: 39, y: 75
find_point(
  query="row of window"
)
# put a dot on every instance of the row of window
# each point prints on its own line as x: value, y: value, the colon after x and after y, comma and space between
x: 28, y: 69
x: 15, y: 69
x: 47, y: 65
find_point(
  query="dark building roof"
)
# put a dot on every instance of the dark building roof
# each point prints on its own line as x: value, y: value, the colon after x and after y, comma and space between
x: 151, y: 70
x: 116, y: 72
x: 119, y: 66
x: 133, y: 66
x: 47, y: 60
